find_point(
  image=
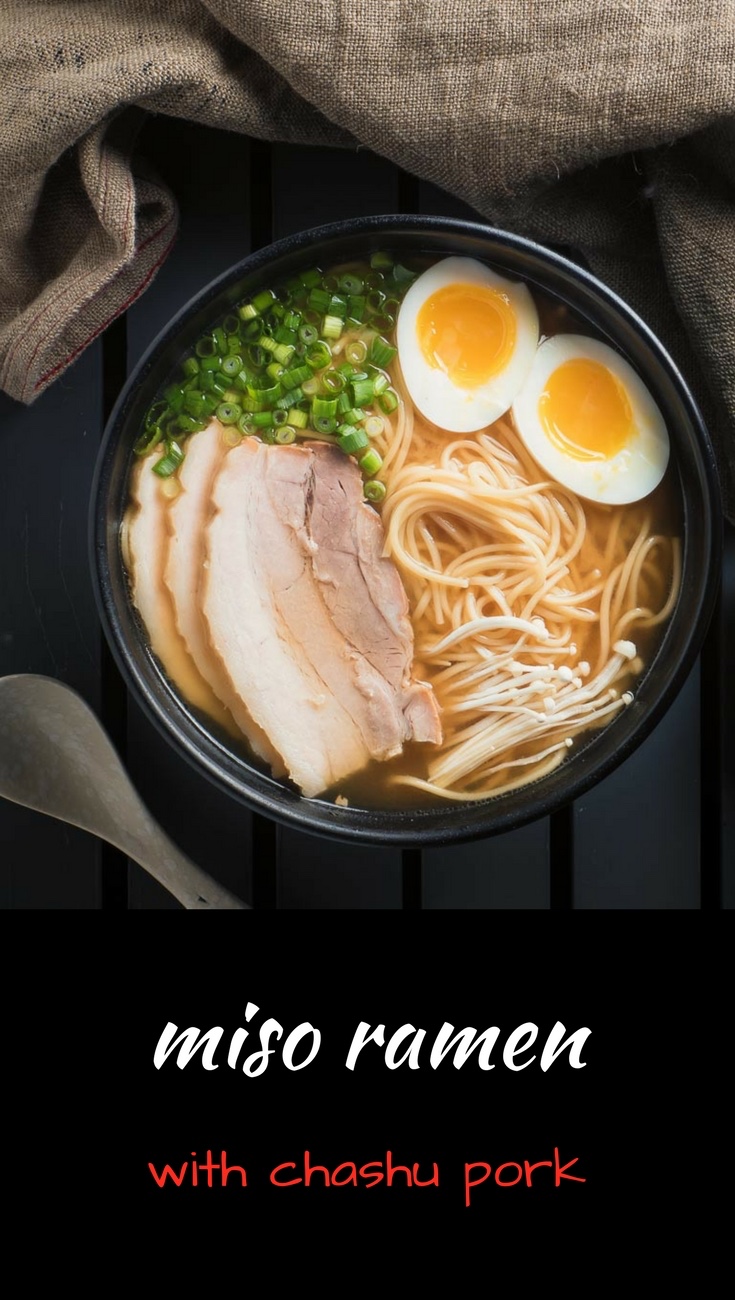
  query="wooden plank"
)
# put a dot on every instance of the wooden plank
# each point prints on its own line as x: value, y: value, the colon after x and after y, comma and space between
x: 507, y: 872
x: 208, y: 172
x: 316, y: 873
x: 312, y: 187
x: 727, y: 671
x: 636, y: 836
x: 48, y: 619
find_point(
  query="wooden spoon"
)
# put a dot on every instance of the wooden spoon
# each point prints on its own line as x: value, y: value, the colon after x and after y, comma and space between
x: 56, y: 757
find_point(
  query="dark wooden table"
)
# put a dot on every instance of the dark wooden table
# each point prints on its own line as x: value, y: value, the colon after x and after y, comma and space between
x: 657, y: 834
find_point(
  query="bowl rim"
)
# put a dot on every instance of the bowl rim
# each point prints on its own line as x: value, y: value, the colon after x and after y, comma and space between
x: 459, y: 820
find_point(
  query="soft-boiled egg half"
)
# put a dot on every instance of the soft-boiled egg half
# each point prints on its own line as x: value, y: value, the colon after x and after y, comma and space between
x: 466, y: 340
x: 590, y: 422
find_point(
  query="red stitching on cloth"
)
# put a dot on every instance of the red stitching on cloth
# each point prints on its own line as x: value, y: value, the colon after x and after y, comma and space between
x: 135, y: 294
x: 69, y: 289
x: 62, y: 290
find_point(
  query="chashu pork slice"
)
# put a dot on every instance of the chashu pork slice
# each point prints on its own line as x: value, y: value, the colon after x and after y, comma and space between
x: 252, y: 560
x: 145, y: 543
x: 362, y: 589
x: 188, y: 517
x: 326, y: 707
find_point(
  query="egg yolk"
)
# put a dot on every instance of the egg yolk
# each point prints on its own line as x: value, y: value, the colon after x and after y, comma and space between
x: 585, y: 411
x: 468, y: 331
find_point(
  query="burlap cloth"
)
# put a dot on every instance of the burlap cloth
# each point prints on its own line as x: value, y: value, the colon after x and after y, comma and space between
x: 607, y: 125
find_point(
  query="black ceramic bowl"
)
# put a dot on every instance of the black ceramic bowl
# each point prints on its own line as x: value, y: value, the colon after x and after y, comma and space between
x: 691, y: 454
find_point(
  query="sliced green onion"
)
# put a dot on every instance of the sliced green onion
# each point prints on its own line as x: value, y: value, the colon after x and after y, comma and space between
x: 331, y: 283
x: 337, y: 306
x: 285, y: 435
x: 248, y: 311
x: 319, y: 300
x: 206, y: 347
x: 326, y: 406
x: 231, y: 324
x: 220, y: 339
x: 275, y: 370
x: 190, y: 366
x: 229, y: 412
x: 283, y: 335
x: 388, y: 400
x: 356, y: 307
x: 318, y: 356
x: 375, y: 300
x: 280, y: 416
x: 261, y: 419
x: 323, y: 424
x: 291, y: 399
x: 311, y: 386
x: 362, y: 391
x: 148, y: 440
x: 169, y: 463
x: 212, y: 361
x: 189, y: 423
x: 352, y: 439
x: 374, y: 426
x: 344, y: 403
x: 246, y: 424
x: 266, y: 395
x: 381, y: 261
x: 262, y: 301
x: 297, y: 418
x: 349, y: 283
x: 371, y: 462
x: 308, y: 334
x: 174, y: 395
x: 333, y: 381
x: 292, y: 320
x: 293, y: 378
x: 283, y: 352
x: 381, y: 352
x: 380, y: 381
x: 374, y: 490
x: 353, y: 415
x: 156, y: 413
x: 402, y: 275
x: 331, y: 327
x: 195, y: 404
x: 231, y: 366
x: 356, y: 352
x: 311, y: 278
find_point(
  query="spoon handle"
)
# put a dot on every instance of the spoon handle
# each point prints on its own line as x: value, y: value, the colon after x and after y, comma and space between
x: 192, y: 887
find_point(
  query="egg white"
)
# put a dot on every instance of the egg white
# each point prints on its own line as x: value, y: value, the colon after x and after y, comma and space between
x: 437, y: 397
x: 627, y: 476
